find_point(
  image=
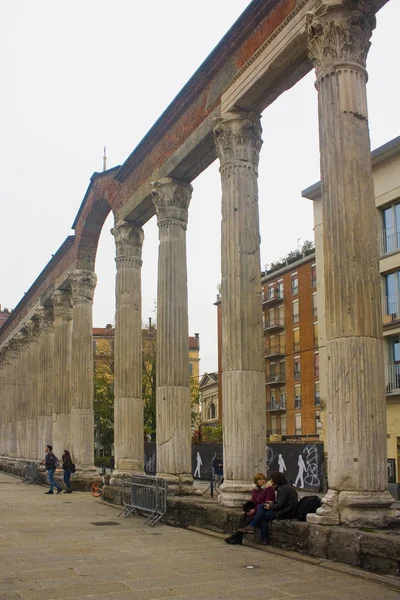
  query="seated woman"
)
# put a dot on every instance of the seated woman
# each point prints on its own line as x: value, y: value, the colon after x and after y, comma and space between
x: 283, y: 508
x: 262, y: 492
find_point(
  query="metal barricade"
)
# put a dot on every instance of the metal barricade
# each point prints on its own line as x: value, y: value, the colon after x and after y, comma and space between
x: 31, y: 474
x: 147, y: 495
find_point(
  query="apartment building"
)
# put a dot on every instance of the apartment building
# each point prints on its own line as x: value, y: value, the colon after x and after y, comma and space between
x: 290, y: 320
x: 290, y: 315
x: 386, y: 173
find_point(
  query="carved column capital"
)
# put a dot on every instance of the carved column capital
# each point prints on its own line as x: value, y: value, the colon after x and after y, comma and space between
x: 128, y: 243
x: 21, y: 340
x: 237, y: 137
x: 32, y: 328
x: 62, y: 304
x: 46, y: 318
x: 171, y: 199
x: 83, y: 284
x: 339, y: 32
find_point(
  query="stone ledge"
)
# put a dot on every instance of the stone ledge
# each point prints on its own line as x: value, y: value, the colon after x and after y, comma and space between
x: 377, y: 551
x: 17, y: 469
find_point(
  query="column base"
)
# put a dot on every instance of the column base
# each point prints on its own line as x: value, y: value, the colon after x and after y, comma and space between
x: 356, y: 509
x: 180, y: 485
x: 234, y: 493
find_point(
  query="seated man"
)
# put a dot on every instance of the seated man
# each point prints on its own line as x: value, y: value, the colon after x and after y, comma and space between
x: 284, y: 507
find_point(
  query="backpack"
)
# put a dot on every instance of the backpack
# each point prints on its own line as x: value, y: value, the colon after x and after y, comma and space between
x: 73, y: 468
x: 307, y: 505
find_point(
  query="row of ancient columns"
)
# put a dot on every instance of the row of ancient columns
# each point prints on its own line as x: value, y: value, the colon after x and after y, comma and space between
x: 46, y: 375
x: 338, y: 38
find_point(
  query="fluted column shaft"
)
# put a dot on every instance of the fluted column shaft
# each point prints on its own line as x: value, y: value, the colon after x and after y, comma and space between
x: 4, y: 405
x: 13, y: 399
x: 128, y: 403
x: 21, y: 394
x: 171, y: 199
x: 238, y: 143
x: 339, y: 34
x: 83, y: 284
x: 62, y: 305
x: 32, y: 388
x: 46, y: 381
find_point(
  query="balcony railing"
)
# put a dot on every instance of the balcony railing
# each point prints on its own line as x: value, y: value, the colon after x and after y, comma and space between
x: 277, y: 405
x: 274, y: 323
x: 272, y: 296
x: 274, y: 350
x: 392, y: 378
x: 389, y: 240
x: 390, y: 308
x: 275, y: 378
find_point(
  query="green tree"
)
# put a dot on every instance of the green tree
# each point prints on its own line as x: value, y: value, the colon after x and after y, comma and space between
x: 149, y: 360
x: 103, y: 401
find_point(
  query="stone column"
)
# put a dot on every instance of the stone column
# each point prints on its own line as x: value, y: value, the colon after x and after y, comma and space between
x: 238, y: 143
x: 12, y: 423
x: 338, y: 42
x: 171, y: 199
x: 4, y: 404
x: 46, y: 382
x: 62, y: 305
x: 21, y: 394
x: 83, y: 284
x: 128, y: 403
x: 32, y: 389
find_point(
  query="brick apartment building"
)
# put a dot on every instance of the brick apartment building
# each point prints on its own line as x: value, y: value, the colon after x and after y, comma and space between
x: 4, y: 314
x: 290, y: 320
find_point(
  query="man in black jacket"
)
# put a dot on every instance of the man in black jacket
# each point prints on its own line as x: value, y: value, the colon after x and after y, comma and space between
x: 284, y: 507
x: 51, y: 461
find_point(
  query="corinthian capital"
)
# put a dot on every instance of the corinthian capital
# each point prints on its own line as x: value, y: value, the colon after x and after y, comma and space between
x: 237, y: 137
x: 128, y: 241
x: 46, y: 318
x: 62, y: 304
x: 83, y: 284
x: 339, y: 32
x: 32, y: 328
x: 171, y: 199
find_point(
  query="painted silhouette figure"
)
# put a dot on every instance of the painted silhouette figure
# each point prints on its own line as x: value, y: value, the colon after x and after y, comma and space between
x: 199, y: 464
x: 300, y: 474
x: 281, y: 464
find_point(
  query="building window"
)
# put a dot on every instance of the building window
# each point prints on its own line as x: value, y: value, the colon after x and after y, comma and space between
x: 314, y: 275
x: 318, y: 424
x: 297, y: 423
x: 281, y: 315
x: 282, y: 343
x: 390, y: 235
x: 316, y: 364
x: 273, y: 424
x: 212, y: 411
x: 273, y: 398
x: 295, y: 284
x: 283, y: 424
x: 314, y: 305
x: 315, y: 334
x: 297, y: 370
x: 297, y: 395
x: 296, y: 339
x: 282, y: 398
x: 295, y: 311
x: 317, y: 398
x: 391, y: 299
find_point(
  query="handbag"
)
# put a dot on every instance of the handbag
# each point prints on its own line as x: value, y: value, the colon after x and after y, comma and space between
x: 73, y: 468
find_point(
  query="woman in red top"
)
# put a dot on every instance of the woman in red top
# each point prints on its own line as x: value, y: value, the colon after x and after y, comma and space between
x: 263, y: 491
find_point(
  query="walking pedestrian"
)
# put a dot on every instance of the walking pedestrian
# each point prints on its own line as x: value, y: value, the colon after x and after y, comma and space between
x: 50, y: 462
x: 68, y: 467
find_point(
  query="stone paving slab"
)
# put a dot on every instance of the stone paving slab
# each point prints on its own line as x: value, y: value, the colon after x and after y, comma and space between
x: 50, y: 550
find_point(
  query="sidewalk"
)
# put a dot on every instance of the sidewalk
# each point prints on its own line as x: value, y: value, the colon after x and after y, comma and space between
x: 64, y: 547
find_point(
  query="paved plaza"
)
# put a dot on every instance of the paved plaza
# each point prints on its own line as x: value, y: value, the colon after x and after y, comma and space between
x: 74, y: 546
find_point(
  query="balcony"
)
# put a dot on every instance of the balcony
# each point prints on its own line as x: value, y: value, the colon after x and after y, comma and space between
x: 277, y: 405
x: 390, y: 309
x: 274, y: 350
x: 389, y: 241
x: 274, y: 324
x: 392, y: 379
x: 272, y: 297
x: 275, y: 378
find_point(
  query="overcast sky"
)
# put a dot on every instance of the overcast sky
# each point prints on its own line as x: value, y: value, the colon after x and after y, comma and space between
x: 80, y: 75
